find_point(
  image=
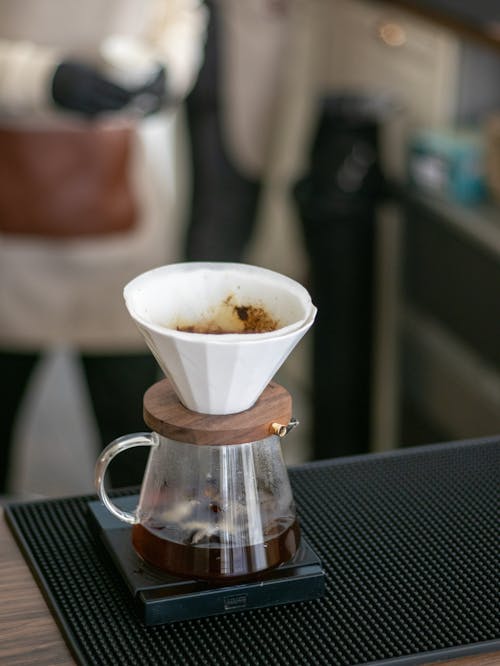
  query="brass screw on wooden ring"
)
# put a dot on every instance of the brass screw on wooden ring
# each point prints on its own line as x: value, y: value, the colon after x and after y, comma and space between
x: 278, y: 429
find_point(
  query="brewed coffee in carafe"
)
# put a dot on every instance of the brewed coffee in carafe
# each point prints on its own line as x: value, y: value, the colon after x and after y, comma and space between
x: 216, y: 511
x: 216, y: 501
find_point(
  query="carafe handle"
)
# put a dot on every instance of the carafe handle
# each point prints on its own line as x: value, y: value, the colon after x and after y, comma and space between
x: 112, y: 450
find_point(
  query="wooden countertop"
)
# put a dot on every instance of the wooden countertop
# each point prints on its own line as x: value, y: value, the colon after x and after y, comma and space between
x: 29, y: 635
x: 477, y: 20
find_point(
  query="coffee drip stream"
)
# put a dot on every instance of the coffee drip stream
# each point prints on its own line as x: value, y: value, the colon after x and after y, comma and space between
x: 215, y: 501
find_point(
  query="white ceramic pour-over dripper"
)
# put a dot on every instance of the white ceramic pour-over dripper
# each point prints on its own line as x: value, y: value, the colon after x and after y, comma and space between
x: 217, y: 373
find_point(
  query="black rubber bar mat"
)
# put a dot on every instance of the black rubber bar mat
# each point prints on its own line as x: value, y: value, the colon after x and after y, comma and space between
x: 407, y: 540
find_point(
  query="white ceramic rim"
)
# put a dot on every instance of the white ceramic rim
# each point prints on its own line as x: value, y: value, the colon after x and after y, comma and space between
x: 223, y: 338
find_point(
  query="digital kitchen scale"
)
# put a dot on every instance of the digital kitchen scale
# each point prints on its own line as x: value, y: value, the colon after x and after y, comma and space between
x: 160, y: 598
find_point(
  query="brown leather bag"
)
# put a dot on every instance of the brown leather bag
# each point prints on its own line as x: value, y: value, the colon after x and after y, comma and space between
x: 66, y: 182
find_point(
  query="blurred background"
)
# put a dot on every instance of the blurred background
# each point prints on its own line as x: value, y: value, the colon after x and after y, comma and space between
x: 353, y: 145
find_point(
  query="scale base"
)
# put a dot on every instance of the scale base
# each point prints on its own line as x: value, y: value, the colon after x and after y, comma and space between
x: 161, y: 598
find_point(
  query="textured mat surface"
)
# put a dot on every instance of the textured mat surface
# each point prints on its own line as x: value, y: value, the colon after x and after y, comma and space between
x: 407, y: 541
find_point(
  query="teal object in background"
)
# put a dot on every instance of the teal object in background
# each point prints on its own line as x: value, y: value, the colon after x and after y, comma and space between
x: 449, y: 162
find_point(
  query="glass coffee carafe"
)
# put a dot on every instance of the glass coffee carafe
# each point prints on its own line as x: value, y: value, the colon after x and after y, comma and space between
x: 215, y: 501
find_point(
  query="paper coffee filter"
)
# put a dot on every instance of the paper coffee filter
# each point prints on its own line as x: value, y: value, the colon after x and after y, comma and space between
x: 184, y: 294
x: 217, y: 373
